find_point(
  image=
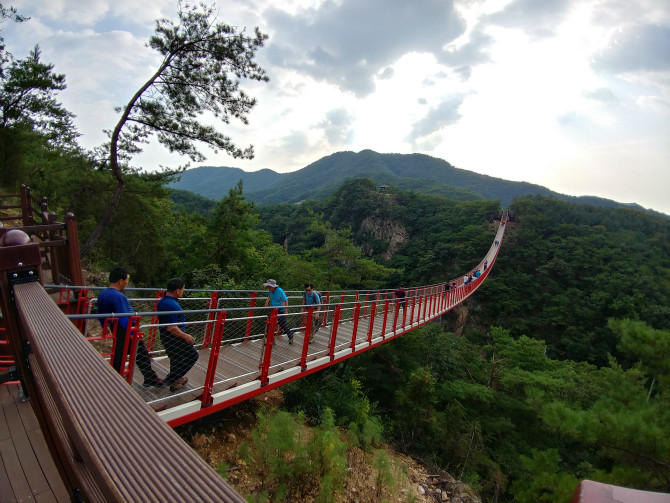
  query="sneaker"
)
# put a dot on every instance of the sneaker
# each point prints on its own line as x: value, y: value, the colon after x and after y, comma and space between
x: 290, y: 338
x: 179, y: 384
x: 152, y: 383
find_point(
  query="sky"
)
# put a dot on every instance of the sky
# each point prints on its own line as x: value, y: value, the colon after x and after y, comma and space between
x: 573, y: 95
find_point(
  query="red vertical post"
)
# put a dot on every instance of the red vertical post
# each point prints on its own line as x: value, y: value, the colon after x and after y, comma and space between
x: 64, y: 304
x: 82, y: 302
x: 250, y: 315
x: 356, y: 315
x: 308, y: 333
x: 133, y: 337
x: 404, y: 313
x: 270, y: 325
x: 386, y: 314
x: 411, y: 314
x: 373, y: 312
x: 333, y: 333
x: 324, y: 318
x: 112, y: 332
x: 213, y: 304
x: 395, y: 315
x: 418, y: 307
x: 213, y: 359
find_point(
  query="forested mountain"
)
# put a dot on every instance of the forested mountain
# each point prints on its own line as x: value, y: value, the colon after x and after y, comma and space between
x: 215, y: 182
x: 556, y: 370
x: 419, y: 172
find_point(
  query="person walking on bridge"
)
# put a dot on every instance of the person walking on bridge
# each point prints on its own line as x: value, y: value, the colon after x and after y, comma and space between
x: 400, y: 293
x: 277, y: 298
x: 311, y: 297
x: 112, y: 301
x: 177, y: 343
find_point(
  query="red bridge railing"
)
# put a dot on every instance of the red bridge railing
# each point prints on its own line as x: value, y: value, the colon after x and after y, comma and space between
x: 242, y: 352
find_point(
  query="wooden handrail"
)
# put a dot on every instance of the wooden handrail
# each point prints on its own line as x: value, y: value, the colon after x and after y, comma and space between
x: 108, y: 444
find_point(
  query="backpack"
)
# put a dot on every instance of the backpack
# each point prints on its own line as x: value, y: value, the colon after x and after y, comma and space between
x: 314, y: 295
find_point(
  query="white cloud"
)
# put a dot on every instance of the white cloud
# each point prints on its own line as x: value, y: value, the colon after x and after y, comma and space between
x: 569, y: 94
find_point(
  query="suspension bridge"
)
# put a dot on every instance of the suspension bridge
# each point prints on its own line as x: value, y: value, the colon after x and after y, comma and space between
x: 75, y: 427
x: 74, y: 430
x: 241, y: 352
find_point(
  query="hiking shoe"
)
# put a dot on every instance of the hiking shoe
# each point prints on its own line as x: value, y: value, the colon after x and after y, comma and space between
x: 179, y: 384
x: 152, y: 383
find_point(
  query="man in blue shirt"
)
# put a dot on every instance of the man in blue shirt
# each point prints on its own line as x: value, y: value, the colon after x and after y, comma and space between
x: 311, y: 297
x: 177, y: 343
x: 111, y: 300
x: 277, y: 297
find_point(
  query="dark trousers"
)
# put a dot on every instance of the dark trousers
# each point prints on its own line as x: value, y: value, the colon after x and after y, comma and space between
x: 281, y: 321
x: 182, y: 357
x: 142, y: 358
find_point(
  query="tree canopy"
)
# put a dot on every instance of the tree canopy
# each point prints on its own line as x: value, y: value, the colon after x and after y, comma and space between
x: 198, y: 79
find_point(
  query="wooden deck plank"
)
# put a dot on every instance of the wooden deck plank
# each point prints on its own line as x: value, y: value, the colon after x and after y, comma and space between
x: 29, y: 472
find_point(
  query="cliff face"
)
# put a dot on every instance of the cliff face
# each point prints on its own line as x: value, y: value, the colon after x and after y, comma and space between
x: 385, y: 233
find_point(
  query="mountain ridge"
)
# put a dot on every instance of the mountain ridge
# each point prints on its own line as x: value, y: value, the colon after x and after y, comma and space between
x: 418, y: 172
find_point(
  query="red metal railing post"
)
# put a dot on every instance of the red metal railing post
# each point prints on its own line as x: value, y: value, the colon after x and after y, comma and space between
x: 82, y: 302
x: 133, y: 337
x: 213, y: 304
x: 373, y: 310
x: 213, y: 359
x: 425, y: 302
x: 64, y: 304
x: 404, y: 314
x: 309, y: 317
x: 386, y: 314
x: 395, y: 315
x: 333, y: 333
x: 324, y: 317
x: 252, y: 305
x: 356, y: 315
x: 112, y: 332
x: 270, y: 325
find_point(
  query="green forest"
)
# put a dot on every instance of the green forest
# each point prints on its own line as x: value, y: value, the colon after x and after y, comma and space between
x: 556, y: 370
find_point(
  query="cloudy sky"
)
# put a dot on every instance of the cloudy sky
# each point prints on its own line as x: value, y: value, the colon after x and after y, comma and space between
x: 570, y: 94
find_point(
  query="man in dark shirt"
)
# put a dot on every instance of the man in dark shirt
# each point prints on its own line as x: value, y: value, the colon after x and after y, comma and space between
x: 400, y: 295
x: 111, y: 300
x: 177, y: 343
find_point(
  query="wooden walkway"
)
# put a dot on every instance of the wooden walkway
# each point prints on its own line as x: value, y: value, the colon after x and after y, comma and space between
x: 28, y: 472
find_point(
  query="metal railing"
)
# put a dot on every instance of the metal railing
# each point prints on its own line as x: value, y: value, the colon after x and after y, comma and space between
x: 244, y: 338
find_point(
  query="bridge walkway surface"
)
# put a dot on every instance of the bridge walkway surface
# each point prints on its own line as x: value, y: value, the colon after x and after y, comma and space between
x: 27, y: 472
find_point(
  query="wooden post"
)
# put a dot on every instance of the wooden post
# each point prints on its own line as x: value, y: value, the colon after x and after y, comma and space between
x: 73, y: 253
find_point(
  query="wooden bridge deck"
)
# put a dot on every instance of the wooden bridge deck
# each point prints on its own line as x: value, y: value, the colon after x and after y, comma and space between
x: 27, y: 471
